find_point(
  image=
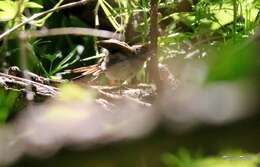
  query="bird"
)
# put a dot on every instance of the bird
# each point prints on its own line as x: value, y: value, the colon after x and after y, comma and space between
x: 120, y: 61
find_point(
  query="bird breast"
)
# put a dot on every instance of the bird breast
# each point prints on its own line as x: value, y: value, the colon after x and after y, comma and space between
x: 124, y: 70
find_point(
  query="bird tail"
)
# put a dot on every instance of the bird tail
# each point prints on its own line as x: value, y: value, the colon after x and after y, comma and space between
x: 93, y: 70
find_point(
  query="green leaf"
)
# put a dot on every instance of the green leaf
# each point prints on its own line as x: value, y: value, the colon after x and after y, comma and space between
x: 8, y: 10
x: 67, y: 58
x: 7, y: 101
x: 32, y: 5
x: 51, y: 57
x: 40, y: 22
x: 223, y: 17
x: 107, y: 9
x: 4, y: 16
x: 3, y: 114
x: 65, y: 62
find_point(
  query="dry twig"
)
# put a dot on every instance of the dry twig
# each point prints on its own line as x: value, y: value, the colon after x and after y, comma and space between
x: 20, y: 84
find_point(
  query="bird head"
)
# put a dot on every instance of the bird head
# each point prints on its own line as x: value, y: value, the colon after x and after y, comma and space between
x: 140, y: 49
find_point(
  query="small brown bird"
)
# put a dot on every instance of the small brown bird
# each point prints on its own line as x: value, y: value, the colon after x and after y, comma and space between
x: 121, y: 61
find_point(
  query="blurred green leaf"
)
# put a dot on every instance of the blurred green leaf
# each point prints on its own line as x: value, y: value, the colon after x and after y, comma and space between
x: 233, y: 60
x: 184, y: 158
x: 7, y: 100
x: 70, y: 92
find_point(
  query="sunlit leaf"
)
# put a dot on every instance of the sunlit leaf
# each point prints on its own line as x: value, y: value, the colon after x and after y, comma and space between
x: 32, y: 5
x: 8, y: 10
x: 106, y: 8
x: 4, y: 16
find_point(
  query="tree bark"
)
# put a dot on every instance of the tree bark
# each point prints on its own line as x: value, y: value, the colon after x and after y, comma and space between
x: 153, y: 70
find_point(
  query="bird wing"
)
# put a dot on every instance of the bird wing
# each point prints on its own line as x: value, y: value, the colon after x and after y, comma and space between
x: 94, y: 70
x: 114, y: 45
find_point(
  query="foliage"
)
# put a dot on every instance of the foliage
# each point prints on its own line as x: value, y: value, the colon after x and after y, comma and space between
x: 9, y: 8
x: 212, y: 27
x: 7, y: 101
x: 183, y: 158
x: 210, y: 22
x: 13, y: 10
x: 234, y: 60
x: 67, y: 61
x: 208, y: 26
x: 219, y: 32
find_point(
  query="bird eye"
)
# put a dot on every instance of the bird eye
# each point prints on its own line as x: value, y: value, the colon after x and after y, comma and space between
x: 137, y: 50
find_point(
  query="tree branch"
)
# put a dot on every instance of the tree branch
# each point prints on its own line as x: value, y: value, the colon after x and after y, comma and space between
x: 72, y: 31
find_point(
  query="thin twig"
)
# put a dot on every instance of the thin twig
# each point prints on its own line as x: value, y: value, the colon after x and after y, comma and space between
x: 37, y: 15
x: 72, y: 31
